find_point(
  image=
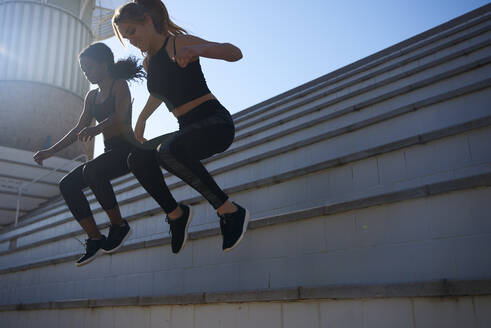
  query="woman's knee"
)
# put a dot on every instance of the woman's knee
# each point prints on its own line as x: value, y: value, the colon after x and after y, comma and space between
x: 139, y: 159
x: 173, y: 151
x: 90, y: 173
x: 192, y: 146
x: 165, y: 157
x: 134, y: 160
x: 64, y: 185
x: 68, y: 183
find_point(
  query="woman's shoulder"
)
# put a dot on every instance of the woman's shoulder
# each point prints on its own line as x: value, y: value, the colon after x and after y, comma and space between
x: 187, y: 39
x: 90, y: 95
x: 120, y: 83
x: 120, y: 86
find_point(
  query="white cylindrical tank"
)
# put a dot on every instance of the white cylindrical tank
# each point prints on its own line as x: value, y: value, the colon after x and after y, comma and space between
x: 41, y: 85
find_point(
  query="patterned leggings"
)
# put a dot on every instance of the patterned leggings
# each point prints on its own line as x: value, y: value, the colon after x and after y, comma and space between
x: 203, y: 132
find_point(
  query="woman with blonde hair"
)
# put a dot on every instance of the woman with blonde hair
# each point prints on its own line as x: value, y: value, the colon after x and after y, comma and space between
x: 174, y: 76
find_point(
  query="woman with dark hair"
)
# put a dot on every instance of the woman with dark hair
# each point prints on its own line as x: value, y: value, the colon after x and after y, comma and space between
x: 205, y: 126
x: 110, y: 105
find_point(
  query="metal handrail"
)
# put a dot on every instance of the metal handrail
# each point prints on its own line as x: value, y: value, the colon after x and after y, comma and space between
x: 25, y: 184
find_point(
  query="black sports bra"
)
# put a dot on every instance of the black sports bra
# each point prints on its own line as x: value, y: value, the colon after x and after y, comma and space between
x: 173, y: 84
x: 102, y: 111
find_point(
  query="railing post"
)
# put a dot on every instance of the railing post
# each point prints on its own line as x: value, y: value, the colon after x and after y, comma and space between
x: 19, y: 195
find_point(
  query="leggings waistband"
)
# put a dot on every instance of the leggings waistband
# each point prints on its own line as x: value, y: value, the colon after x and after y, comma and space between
x: 202, y: 111
x: 122, y: 141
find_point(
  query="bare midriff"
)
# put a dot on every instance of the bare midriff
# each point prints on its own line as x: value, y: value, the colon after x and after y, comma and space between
x: 190, y: 105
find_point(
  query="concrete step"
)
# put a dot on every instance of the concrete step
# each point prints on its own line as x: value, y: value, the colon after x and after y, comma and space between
x: 435, y: 303
x: 385, y: 92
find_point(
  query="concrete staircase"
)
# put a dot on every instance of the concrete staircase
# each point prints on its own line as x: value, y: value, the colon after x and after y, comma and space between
x: 369, y: 191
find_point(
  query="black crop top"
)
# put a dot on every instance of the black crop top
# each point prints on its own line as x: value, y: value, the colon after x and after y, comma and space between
x: 102, y: 111
x: 171, y: 83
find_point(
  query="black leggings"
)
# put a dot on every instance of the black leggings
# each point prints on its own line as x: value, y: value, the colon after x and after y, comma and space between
x: 96, y: 174
x: 203, y: 132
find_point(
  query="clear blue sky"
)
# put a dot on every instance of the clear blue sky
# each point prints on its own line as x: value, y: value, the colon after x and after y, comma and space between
x: 287, y: 43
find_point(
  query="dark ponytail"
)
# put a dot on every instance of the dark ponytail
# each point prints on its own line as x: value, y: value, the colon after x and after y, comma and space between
x: 127, y: 69
x: 135, y: 11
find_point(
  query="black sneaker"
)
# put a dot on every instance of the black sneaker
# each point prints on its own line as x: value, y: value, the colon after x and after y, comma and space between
x: 233, y: 226
x: 93, y: 248
x: 116, y: 237
x: 179, y: 228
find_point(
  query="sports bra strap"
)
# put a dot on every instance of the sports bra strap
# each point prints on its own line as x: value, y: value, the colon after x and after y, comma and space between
x: 112, y: 85
x: 165, y: 42
x: 175, y: 37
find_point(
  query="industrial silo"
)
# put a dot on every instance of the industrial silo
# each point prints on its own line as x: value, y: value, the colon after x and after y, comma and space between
x: 41, y: 86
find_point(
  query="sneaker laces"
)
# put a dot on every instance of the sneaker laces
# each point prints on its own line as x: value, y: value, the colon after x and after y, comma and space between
x: 224, y: 220
x: 171, y: 224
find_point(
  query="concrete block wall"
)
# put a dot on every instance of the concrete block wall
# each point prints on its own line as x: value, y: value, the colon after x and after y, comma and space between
x: 416, y: 312
x: 370, y: 245
x: 379, y: 174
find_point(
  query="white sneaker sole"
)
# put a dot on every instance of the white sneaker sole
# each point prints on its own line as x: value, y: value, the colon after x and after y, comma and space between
x: 97, y: 254
x: 191, y: 212
x: 120, y: 245
x: 244, y: 228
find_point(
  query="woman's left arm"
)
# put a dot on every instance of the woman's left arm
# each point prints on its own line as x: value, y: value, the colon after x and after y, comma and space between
x: 189, y: 48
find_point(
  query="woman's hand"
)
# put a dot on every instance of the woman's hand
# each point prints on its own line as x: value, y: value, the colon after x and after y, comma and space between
x: 88, y: 133
x: 41, y: 155
x: 140, y: 130
x: 187, y: 54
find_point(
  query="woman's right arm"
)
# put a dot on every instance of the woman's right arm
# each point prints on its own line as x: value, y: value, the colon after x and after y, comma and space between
x: 71, y: 136
x: 150, y: 107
